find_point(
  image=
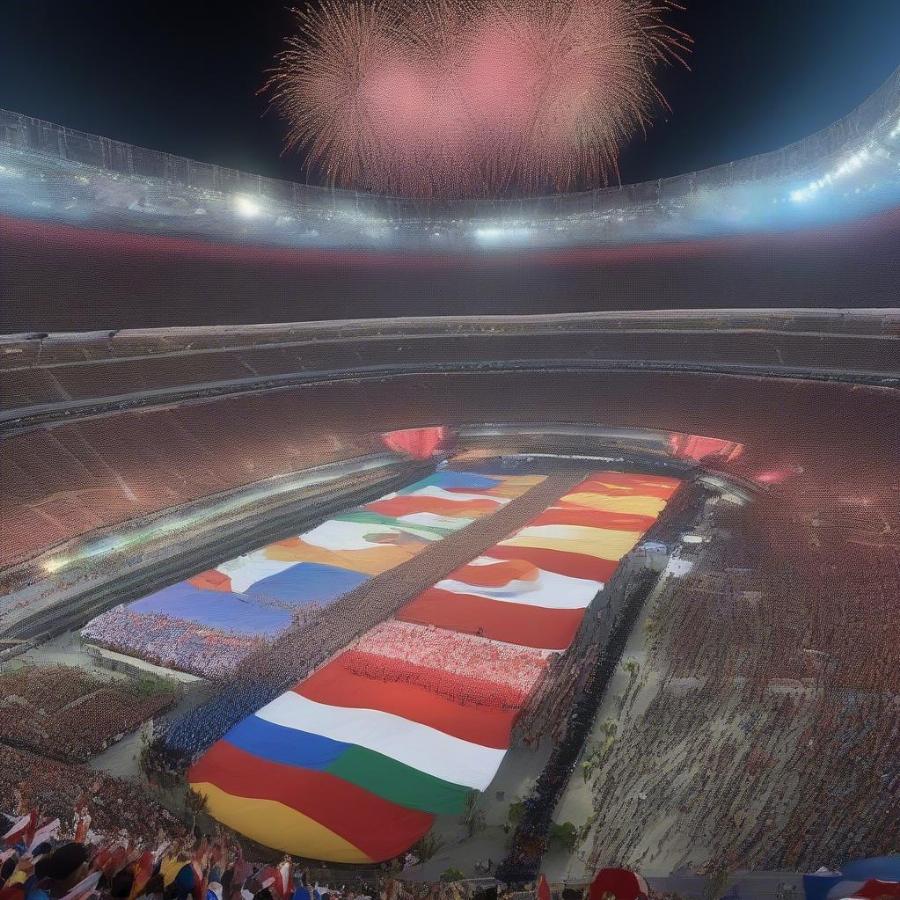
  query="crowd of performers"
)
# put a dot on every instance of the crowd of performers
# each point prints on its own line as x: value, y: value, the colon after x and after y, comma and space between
x: 586, y: 686
x: 51, y: 859
x: 262, y: 676
x: 171, y: 642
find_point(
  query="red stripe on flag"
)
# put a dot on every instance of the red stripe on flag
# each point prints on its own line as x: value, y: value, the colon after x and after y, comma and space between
x: 211, y: 580
x: 335, y: 685
x: 376, y: 826
x: 577, y: 565
x: 496, y: 574
x: 515, y: 623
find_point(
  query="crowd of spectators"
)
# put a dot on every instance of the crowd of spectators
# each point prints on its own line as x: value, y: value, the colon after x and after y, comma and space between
x: 73, y: 854
x: 69, y: 714
x: 56, y: 789
x: 64, y: 481
x: 767, y: 735
x: 48, y: 858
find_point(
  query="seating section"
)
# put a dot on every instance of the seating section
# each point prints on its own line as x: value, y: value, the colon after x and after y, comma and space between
x: 61, y: 482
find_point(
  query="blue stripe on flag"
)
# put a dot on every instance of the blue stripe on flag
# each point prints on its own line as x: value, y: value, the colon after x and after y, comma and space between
x: 307, y: 583
x: 285, y: 745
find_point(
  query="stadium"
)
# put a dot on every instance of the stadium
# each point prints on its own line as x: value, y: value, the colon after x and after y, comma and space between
x: 520, y: 546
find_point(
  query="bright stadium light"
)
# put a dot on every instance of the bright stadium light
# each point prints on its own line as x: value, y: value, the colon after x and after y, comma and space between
x: 493, y: 234
x: 851, y: 164
x: 246, y: 206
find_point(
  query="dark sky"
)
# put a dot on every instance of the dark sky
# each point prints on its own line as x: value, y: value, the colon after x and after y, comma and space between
x: 183, y: 76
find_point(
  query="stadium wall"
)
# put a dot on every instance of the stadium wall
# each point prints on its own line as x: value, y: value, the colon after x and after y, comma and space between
x: 61, y: 278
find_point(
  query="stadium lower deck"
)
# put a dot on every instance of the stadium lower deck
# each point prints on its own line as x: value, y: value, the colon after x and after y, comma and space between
x: 386, y: 641
x: 577, y: 654
x: 474, y: 584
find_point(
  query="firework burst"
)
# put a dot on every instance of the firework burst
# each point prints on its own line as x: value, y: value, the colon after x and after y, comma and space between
x: 443, y: 99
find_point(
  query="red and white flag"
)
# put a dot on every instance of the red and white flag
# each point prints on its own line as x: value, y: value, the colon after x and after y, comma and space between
x: 22, y: 830
x: 283, y: 883
x: 82, y: 824
x: 47, y: 832
x: 268, y: 878
x: 84, y: 888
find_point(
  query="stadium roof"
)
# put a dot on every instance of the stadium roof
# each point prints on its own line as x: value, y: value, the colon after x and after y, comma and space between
x: 846, y: 171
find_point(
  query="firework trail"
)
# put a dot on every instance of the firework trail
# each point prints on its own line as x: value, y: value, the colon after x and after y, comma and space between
x: 445, y: 99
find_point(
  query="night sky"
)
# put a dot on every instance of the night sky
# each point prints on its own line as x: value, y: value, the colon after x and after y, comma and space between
x: 183, y: 76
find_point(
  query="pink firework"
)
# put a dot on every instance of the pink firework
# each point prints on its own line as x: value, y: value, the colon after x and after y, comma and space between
x: 445, y: 99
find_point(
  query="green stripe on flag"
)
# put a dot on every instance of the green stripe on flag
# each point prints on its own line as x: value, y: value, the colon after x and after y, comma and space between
x: 370, y: 518
x: 399, y: 783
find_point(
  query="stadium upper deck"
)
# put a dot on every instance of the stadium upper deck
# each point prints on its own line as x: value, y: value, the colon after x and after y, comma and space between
x: 150, y: 239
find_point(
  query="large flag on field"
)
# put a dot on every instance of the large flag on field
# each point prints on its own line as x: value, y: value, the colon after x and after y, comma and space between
x: 353, y: 763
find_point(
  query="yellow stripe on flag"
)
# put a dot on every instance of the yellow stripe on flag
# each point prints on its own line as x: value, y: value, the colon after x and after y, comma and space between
x: 634, y: 505
x: 273, y: 824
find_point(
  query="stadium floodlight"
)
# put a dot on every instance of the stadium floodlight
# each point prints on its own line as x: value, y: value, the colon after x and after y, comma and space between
x: 494, y: 234
x: 851, y: 164
x: 246, y: 206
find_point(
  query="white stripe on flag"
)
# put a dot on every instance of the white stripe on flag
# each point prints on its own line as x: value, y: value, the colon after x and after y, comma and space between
x: 550, y: 590
x: 419, y: 746
x: 45, y: 833
x: 339, y: 535
x: 435, y: 521
x: 252, y: 567
x: 432, y: 491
